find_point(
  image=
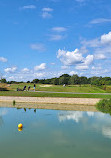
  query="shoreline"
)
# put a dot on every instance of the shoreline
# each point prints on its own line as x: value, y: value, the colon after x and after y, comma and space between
x: 78, y: 104
x: 50, y: 100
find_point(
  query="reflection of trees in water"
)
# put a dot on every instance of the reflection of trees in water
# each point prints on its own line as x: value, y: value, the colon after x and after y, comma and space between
x: 25, y: 109
x: 35, y: 110
x: 1, y: 121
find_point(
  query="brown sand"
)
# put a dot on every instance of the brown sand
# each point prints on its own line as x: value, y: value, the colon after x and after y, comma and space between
x: 80, y: 104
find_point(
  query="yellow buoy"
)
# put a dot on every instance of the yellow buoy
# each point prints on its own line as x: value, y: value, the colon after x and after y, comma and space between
x: 20, y: 125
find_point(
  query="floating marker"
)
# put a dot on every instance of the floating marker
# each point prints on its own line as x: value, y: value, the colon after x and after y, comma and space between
x: 20, y: 125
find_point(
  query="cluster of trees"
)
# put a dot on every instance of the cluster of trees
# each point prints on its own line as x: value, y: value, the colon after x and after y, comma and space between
x: 74, y: 80
x: 69, y: 80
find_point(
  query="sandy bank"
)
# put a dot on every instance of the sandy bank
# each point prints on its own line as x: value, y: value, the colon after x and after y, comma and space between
x: 51, y: 100
x: 80, y: 104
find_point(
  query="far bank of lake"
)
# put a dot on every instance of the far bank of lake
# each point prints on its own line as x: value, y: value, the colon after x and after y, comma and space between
x: 81, y: 104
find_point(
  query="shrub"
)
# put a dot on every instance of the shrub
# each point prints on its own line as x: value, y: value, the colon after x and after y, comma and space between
x: 3, y: 89
x: 14, y: 102
x: 104, y: 106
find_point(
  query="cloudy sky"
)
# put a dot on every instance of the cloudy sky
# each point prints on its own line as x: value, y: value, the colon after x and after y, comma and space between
x: 46, y: 38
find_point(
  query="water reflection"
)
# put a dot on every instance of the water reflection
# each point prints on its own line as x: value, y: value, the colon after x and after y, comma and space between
x: 20, y: 129
x: 55, y: 133
x: 25, y: 109
x: 1, y: 121
x: 70, y: 115
x: 2, y: 113
x: 94, y: 121
x: 35, y: 110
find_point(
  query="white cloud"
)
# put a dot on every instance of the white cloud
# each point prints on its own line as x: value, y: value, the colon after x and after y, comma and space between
x: 40, y: 67
x: 56, y: 37
x: 47, y: 9
x: 46, y: 15
x: 88, y: 60
x: 38, y: 46
x: 91, y: 43
x: 101, y: 48
x: 25, y: 70
x: 52, y: 63
x: 83, y: 50
x: 75, y: 57
x: 21, y: 76
x: 103, y: 41
x: 59, y: 29
x: 11, y: 78
x: 106, y: 38
x: 46, y: 12
x: 100, y: 20
x: 96, y: 68
x: 10, y: 69
x: 28, y: 7
x: 39, y: 75
x: 2, y: 59
x: 106, y: 50
x: 99, y: 71
x: 64, y: 67
x: 69, y: 58
x: 73, y: 72
x: 100, y: 56
x: 81, y: 67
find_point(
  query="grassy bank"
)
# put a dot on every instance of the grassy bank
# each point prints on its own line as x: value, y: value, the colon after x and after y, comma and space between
x: 39, y: 94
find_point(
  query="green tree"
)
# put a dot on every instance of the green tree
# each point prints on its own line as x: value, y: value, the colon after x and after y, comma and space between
x: 64, y: 79
x: 55, y: 81
x: 74, y: 79
x: 3, y: 80
x: 35, y: 81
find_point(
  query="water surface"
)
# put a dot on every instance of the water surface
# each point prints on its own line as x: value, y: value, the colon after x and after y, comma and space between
x: 54, y: 134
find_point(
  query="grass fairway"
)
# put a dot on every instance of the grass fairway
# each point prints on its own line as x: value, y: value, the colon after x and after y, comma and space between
x: 59, y: 88
x: 41, y: 87
x: 39, y: 94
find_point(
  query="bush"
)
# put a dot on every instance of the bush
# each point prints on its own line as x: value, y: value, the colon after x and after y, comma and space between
x: 104, y: 106
x: 3, y: 89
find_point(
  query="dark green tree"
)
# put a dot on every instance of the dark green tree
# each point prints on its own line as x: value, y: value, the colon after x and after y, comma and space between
x: 3, y: 80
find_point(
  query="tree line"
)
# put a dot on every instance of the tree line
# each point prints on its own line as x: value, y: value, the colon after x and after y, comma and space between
x: 68, y: 80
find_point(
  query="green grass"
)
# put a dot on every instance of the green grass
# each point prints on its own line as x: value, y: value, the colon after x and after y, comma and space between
x: 39, y: 94
x: 58, y: 88
x: 54, y: 88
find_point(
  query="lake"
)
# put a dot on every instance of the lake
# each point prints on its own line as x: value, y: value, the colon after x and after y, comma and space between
x: 54, y: 134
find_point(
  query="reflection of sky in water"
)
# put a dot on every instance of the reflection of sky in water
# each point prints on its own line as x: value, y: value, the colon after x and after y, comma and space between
x: 2, y: 113
x: 54, y: 133
x: 95, y: 120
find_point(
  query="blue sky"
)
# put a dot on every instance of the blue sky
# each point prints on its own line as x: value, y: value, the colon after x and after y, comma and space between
x: 47, y: 38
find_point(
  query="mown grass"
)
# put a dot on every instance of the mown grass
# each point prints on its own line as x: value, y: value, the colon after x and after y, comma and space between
x: 60, y: 88
x: 41, y: 94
